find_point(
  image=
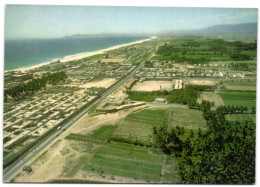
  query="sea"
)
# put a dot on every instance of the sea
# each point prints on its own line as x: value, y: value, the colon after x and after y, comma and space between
x: 28, y: 52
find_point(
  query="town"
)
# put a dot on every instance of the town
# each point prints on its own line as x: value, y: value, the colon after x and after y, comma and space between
x: 111, y: 104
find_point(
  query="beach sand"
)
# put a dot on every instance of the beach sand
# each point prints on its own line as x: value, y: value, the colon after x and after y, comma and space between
x: 84, y: 55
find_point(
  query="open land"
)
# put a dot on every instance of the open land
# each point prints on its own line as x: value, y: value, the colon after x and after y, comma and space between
x: 164, y: 82
x: 153, y: 86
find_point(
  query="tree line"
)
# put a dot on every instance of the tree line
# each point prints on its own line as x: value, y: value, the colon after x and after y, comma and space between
x: 218, y: 46
x: 35, y: 84
x: 223, y: 154
x: 239, y: 57
x: 236, y: 110
x: 188, y: 95
x: 239, y: 66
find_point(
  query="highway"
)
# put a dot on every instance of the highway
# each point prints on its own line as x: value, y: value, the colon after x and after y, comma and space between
x: 13, y: 169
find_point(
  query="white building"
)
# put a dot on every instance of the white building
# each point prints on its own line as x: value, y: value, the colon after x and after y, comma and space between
x: 178, y: 84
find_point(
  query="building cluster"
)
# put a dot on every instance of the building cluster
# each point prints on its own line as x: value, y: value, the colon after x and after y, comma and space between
x: 169, y: 70
x: 41, y: 113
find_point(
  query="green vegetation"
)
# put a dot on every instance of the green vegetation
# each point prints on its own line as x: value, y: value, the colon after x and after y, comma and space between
x: 130, y: 140
x: 9, y: 129
x: 239, y: 66
x: 152, y: 117
x: 138, y: 126
x: 68, y: 181
x: 71, y: 169
x: 239, y: 57
x: 7, y: 139
x: 94, y: 57
x: 84, y: 138
x: 243, y: 118
x: 240, y: 85
x: 145, y: 96
x: 202, y: 51
x: 93, y: 91
x: 142, y: 59
x: 225, y: 154
x: 233, y: 98
x: 127, y: 160
x: 188, y: 95
x: 161, y: 58
x: 35, y: 84
x: 104, y: 132
x: 236, y: 110
x: 186, y: 118
x: 251, y: 53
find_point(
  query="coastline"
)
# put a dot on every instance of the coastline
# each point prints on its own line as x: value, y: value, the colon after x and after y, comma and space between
x: 81, y: 55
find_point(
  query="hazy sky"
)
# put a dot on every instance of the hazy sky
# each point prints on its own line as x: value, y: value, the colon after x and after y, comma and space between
x: 37, y: 21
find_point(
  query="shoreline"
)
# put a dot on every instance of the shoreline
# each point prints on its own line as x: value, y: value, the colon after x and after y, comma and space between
x: 80, y: 55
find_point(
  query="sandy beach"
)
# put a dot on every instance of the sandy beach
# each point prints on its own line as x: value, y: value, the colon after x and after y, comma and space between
x: 83, y: 55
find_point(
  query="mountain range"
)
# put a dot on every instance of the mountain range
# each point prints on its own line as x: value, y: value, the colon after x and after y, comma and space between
x: 241, y: 31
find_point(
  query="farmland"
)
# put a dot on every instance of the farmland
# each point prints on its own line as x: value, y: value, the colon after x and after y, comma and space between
x: 167, y: 139
x: 241, y: 117
x: 233, y: 98
x: 187, y: 118
x: 139, y: 125
x: 240, y: 85
x: 128, y: 161
x: 212, y: 97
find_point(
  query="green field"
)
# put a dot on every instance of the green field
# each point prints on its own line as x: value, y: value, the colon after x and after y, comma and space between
x: 240, y: 85
x: 104, y: 132
x: 203, y: 51
x: 126, y: 160
x: 160, y: 58
x: 233, y: 98
x: 139, y: 125
x: 99, y: 136
x: 84, y: 138
x: 241, y: 117
x: 71, y: 169
x: 187, y: 118
x: 251, y: 53
x: 153, y: 117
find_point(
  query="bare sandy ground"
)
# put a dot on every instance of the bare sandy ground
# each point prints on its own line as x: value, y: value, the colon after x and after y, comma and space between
x: 87, y: 54
x: 51, y: 165
x: 153, y: 85
x: 101, y: 83
x: 201, y: 82
x: 212, y: 97
x: 106, y: 60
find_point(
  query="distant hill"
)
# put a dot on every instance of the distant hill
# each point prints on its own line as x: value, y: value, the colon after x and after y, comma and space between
x: 242, y: 31
x: 106, y: 35
x: 243, y: 28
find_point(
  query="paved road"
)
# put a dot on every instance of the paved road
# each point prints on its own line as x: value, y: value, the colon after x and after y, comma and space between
x: 14, y: 168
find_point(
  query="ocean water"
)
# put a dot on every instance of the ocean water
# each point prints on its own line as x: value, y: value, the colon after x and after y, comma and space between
x: 25, y: 53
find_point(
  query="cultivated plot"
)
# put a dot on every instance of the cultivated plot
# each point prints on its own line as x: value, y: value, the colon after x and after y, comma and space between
x: 139, y: 125
x: 251, y: 118
x: 211, y: 97
x: 233, y: 98
x: 240, y: 85
x: 187, y: 118
x: 153, y: 86
x: 128, y: 160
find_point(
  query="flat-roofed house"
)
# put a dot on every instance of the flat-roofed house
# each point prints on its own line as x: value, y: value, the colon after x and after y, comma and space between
x: 178, y: 84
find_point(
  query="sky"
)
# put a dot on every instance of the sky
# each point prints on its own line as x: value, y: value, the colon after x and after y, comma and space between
x: 42, y: 21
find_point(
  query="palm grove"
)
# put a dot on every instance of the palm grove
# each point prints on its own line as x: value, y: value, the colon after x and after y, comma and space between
x: 224, y: 154
x: 34, y: 85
